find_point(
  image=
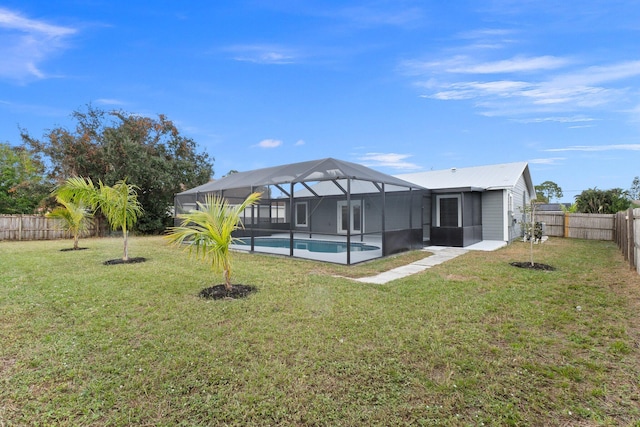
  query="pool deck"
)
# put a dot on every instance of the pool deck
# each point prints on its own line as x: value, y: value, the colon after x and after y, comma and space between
x: 440, y: 254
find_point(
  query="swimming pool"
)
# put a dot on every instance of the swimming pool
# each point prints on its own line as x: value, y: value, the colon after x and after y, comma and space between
x: 323, y: 246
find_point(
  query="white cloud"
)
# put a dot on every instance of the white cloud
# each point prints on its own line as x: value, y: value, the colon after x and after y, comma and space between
x: 25, y: 43
x: 512, y: 65
x: 12, y: 20
x: 624, y: 147
x: 547, y: 161
x: 264, y: 54
x: 509, y: 84
x: 485, y: 33
x: 464, y: 64
x: 269, y: 143
x: 391, y: 160
x: 109, y: 101
x: 559, y: 119
x: 597, y: 75
x: 577, y: 90
x: 299, y: 142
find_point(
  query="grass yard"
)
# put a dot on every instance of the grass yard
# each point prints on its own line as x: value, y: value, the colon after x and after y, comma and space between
x: 472, y: 342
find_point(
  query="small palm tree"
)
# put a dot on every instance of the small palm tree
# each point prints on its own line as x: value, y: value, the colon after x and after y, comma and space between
x: 208, y: 231
x: 75, y: 218
x: 121, y: 207
x: 119, y: 203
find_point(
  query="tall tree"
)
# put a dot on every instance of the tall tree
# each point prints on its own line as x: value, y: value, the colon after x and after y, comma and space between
x: 547, y: 191
x: 23, y: 186
x: 634, y: 191
x: 109, y: 146
x: 602, y: 201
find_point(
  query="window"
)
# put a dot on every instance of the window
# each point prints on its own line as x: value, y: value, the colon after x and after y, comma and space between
x: 448, y: 212
x: 301, y: 214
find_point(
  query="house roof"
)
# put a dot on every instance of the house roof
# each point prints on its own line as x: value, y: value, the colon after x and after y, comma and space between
x: 552, y: 207
x: 328, y: 169
x: 477, y: 178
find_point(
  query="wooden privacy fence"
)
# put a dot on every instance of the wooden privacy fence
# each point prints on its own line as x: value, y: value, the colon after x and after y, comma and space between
x: 578, y: 225
x: 627, y: 236
x: 34, y: 227
x: 622, y: 228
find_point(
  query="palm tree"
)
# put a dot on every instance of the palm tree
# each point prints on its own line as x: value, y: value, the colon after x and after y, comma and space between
x: 119, y: 203
x: 75, y: 218
x: 121, y: 207
x: 208, y: 231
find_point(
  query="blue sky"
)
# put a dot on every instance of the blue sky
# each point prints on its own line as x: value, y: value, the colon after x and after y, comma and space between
x: 400, y: 86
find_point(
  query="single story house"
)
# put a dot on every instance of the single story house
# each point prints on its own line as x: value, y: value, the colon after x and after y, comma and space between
x: 469, y: 205
x: 343, y: 212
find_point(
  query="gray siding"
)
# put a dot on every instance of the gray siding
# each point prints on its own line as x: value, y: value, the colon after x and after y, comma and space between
x: 493, y: 212
x: 324, y: 216
x: 521, y: 199
x: 324, y: 212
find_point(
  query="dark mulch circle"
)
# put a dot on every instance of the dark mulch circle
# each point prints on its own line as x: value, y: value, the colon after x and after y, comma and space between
x: 121, y: 261
x: 72, y: 249
x: 220, y: 292
x: 534, y: 266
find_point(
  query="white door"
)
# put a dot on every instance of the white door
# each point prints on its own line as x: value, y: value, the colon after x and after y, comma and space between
x: 353, y: 220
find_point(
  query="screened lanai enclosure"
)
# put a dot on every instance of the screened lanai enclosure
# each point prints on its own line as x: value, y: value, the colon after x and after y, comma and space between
x: 327, y: 210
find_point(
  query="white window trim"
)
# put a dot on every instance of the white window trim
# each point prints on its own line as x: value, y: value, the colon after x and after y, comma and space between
x: 449, y: 196
x: 306, y: 214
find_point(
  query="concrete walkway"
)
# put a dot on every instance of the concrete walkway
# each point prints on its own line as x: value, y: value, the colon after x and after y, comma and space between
x: 440, y: 255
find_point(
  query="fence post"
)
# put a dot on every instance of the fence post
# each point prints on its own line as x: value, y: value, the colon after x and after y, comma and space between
x: 630, y: 242
x: 565, y: 230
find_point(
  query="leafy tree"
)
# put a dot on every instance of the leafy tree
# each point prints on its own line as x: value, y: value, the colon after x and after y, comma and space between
x: 118, y: 203
x: 619, y: 200
x: 547, y: 191
x: 602, y: 201
x: 107, y: 146
x: 75, y: 217
x: 23, y: 187
x: 209, y: 231
x: 571, y: 209
x: 634, y: 191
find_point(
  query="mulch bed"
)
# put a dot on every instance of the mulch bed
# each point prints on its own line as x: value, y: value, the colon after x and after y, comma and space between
x: 534, y: 266
x: 220, y: 292
x: 121, y: 261
x: 72, y: 249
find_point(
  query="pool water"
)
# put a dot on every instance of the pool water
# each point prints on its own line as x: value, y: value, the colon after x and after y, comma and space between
x: 323, y: 246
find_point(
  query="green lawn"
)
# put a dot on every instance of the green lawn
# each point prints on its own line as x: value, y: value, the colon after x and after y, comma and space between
x: 473, y: 341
